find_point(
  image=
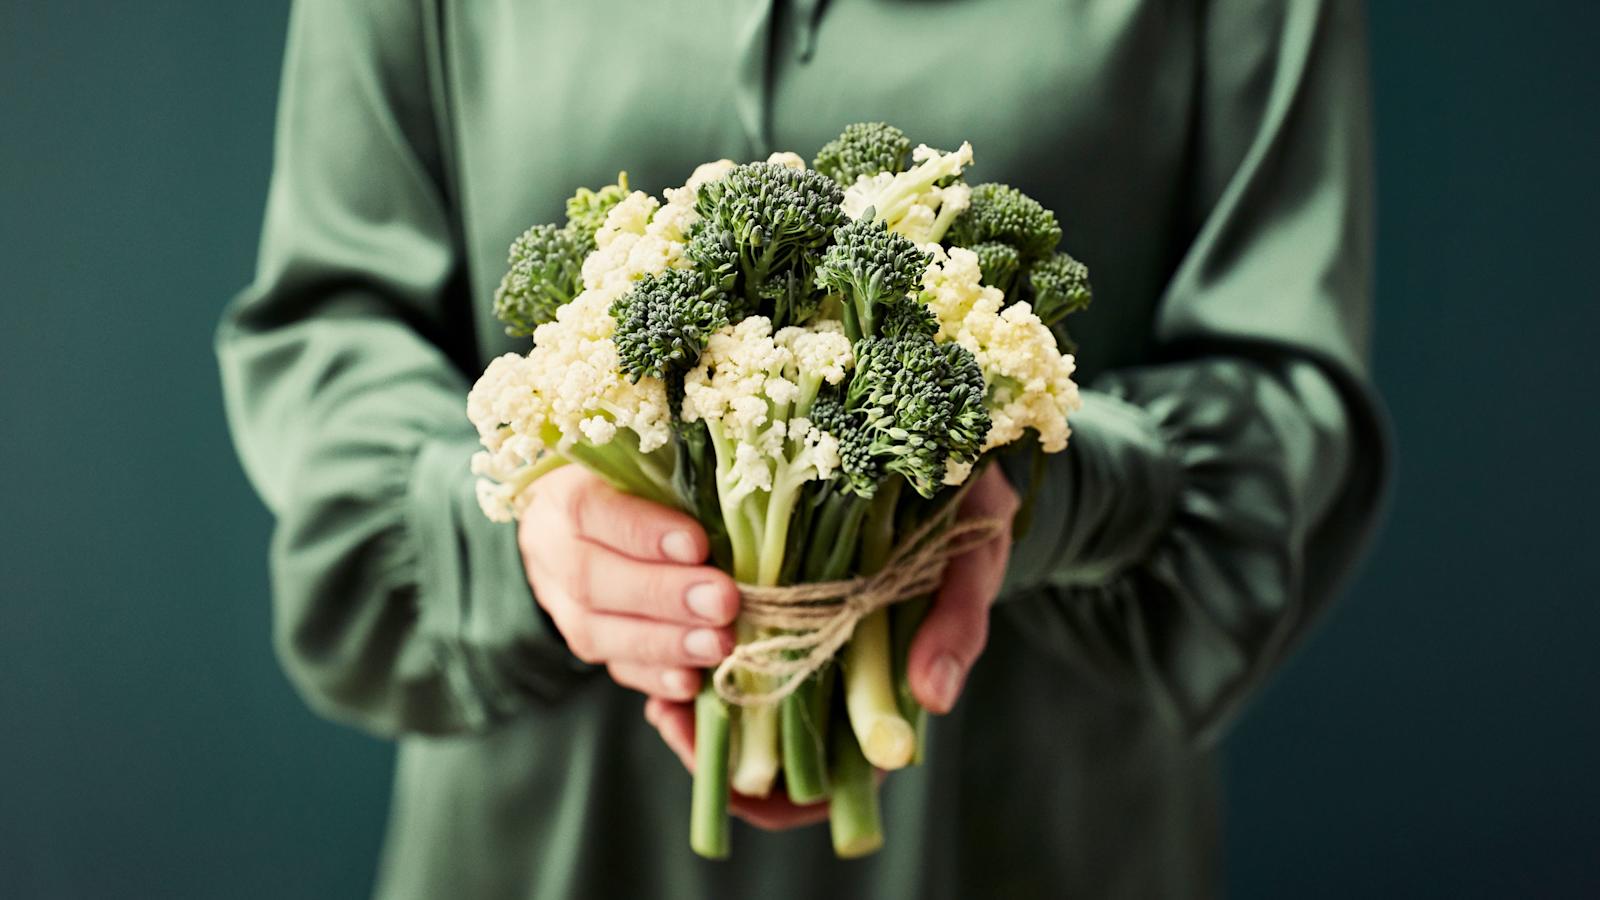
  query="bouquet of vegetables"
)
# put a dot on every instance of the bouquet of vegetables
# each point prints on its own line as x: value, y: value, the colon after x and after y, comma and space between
x: 811, y: 361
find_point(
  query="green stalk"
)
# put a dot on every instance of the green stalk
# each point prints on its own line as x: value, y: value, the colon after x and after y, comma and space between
x: 540, y: 467
x: 852, y: 323
x: 804, y: 729
x: 626, y: 469
x: 775, y: 530
x: 853, y: 816
x: 805, y: 724
x: 756, y: 757
x: 757, y: 760
x: 708, y: 821
x: 708, y: 808
x: 843, y: 550
x: 886, y: 738
x: 805, y: 712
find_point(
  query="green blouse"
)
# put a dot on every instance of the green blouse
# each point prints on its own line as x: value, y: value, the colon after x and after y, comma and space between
x: 1209, y: 161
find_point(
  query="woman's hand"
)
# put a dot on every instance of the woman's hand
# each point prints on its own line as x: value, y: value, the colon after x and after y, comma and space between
x: 942, y: 654
x: 957, y: 625
x: 625, y: 582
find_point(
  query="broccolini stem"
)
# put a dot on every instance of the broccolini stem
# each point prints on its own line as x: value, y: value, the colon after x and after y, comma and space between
x: 853, y: 816
x: 852, y: 324
x: 622, y: 468
x: 877, y: 531
x: 708, y: 807
x: 841, y: 522
x: 542, y: 466
x: 756, y: 767
x: 804, y: 731
x: 805, y: 713
x: 886, y: 738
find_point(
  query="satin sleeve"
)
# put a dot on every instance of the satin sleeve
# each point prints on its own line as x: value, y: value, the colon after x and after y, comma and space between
x: 1211, y: 502
x: 398, y: 606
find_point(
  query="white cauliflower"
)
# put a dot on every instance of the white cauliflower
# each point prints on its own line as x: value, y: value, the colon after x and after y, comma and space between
x: 1029, y: 379
x: 643, y: 236
x: 785, y: 158
x: 753, y: 389
x: 911, y: 202
x: 566, y: 397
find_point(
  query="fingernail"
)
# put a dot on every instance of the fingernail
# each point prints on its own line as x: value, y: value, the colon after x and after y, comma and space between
x: 703, y: 643
x: 946, y: 680
x: 705, y: 601
x: 679, y: 546
x: 677, y: 681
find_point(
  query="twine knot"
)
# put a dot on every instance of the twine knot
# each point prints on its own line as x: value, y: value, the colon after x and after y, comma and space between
x: 815, y: 620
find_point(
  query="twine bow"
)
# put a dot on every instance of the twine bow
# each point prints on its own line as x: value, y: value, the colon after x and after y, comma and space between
x: 816, y: 619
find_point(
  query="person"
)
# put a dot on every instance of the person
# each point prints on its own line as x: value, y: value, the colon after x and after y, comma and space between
x: 1209, y: 161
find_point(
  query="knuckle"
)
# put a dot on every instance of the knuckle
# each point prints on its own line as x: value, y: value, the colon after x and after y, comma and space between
x: 544, y: 595
x: 579, y: 574
x: 575, y: 507
x: 665, y: 646
x: 621, y: 675
x: 637, y: 533
x: 581, y: 641
x: 661, y: 591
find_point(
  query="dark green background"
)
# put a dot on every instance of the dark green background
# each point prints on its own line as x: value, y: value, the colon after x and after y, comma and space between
x: 1437, y: 738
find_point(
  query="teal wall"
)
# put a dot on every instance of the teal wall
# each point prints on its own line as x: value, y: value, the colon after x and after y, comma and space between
x: 1437, y: 738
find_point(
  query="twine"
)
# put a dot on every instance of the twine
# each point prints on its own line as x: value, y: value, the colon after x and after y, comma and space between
x: 817, y: 619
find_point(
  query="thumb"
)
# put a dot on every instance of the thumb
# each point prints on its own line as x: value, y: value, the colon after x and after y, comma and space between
x: 954, y: 632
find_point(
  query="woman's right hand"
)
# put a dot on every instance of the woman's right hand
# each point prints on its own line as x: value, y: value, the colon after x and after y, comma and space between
x: 624, y: 580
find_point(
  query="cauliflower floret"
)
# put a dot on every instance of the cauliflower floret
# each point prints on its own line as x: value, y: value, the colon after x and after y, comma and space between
x: 911, y: 202
x: 707, y: 172
x: 952, y: 285
x: 745, y: 386
x: 639, y: 237
x: 1029, y: 378
x: 567, y: 389
x: 821, y: 350
x: 785, y: 158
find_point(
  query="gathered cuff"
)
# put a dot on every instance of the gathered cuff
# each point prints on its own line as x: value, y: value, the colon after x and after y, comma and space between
x: 1100, y: 504
x: 496, y: 646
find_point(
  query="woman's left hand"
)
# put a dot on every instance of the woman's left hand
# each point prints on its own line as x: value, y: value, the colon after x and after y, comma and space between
x: 945, y: 649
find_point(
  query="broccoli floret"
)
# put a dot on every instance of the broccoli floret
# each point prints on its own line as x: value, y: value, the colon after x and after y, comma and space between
x: 773, y: 220
x: 865, y: 148
x: 1060, y: 287
x: 912, y: 408
x: 907, y: 317
x: 1000, y: 264
x: 1004, y: 214
x: 869, y: 265
x: 586, y: 210
x: 545, y: 272
x: 664, y: 322
x: 862, y: 471
x: 968, y: 425
x: 713, y: 251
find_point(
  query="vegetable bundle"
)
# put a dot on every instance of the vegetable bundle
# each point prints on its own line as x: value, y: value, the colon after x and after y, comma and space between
x: 811, y: 361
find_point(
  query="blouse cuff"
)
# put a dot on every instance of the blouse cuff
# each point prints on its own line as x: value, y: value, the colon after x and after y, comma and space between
x: 1101, y: 504
x: 496, y: 643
